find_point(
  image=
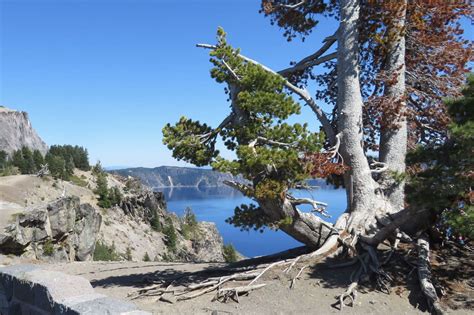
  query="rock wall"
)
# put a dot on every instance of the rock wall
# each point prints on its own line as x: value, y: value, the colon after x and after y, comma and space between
x: 16, y: 131
x: 27, y: 289
x: 64, y: 230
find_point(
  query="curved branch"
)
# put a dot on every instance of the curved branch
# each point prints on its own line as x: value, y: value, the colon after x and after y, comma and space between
x: 318, y: 206
x: 301, y: 92
x: 379, y: 167
x: 313, y: 59
x: 291, y: 6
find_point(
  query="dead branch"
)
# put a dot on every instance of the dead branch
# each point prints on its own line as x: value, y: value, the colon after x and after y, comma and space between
x: 318, y: 206
x: 233, y: 293
x: 232, y: 72
x: 44, y: 170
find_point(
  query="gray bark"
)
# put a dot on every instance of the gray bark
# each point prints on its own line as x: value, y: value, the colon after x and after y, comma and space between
x: 364, y: 202
x: 393, y: 139
x: 305, y: 227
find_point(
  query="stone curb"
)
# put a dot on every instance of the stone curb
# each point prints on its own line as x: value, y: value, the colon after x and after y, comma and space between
x: 28, y: 289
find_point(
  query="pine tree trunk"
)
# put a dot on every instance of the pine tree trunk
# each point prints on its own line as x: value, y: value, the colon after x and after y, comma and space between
x: 361, y: 187
x: 304, y: 227
x: 393, y: 138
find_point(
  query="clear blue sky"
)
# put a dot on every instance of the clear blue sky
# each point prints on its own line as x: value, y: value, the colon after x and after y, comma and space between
x: 109, y: 74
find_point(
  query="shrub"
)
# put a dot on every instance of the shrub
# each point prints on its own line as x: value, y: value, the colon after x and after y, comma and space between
x: 230, y: 254
x: 190, y: 224
x: 146, y: 257
x: 78, y: 181
x: 103, y: 252
x: 48, y: 248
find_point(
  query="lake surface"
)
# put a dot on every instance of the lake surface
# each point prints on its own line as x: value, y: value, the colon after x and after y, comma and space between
x: 216, y: 204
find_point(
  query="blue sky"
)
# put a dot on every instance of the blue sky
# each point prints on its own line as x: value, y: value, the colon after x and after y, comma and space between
x: 108, y: 75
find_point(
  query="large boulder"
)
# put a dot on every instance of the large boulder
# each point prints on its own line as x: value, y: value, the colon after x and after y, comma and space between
x: 63, y: 230
x: 86, y: 230
x: 62, y: 216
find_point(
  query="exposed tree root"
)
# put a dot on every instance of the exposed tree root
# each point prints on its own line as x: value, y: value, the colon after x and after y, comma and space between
x: 424, y: 275
x: 240, y: 280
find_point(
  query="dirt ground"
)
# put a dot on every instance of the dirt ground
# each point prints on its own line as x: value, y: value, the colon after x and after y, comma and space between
x: 314, y: 293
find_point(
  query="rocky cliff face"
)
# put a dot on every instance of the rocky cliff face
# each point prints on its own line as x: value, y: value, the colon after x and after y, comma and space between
x: 128, y: 226
x: 169, y: 176
x: 64, y: 230
x: 16, y: 132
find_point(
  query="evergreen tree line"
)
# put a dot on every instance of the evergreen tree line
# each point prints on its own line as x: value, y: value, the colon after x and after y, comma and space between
x: 61, y: 160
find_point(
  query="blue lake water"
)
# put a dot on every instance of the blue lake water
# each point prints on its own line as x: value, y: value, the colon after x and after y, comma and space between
x: 216, y: 204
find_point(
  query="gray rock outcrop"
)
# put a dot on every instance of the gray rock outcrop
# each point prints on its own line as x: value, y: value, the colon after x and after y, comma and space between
x: 144, y: 205
x: 64, y: 230
x: 16, y: 132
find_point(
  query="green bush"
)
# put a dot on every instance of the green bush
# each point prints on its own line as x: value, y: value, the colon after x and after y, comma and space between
x: 78, y: 181
x: 146, y: 257
x: 190, y: 224
x: 230, y: 254
x: 103, y: 252
x: 48, y: 248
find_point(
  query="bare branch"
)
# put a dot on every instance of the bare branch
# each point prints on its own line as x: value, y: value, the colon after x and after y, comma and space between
x: 318, y: 206
x: 272, y: 142
x: 231, y: 70
x: 379, y: 167
x: 244, y: 189
x: 301, y: 92
x: 291, y: 6
x: 335, y: 149
x: 313, y: 59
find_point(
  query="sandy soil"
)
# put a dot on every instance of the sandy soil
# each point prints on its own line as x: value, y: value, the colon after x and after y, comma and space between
x: 7, y: 212
x: 314, y: 294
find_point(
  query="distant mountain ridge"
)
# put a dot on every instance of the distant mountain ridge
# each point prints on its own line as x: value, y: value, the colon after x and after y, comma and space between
x: 16, y: 132
x: 173, y: 176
